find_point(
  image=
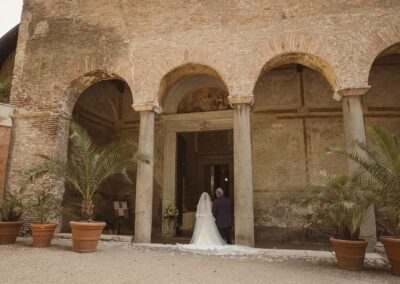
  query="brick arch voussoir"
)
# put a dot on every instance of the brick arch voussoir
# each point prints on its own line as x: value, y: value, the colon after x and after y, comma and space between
x: 184, y: 57
x: 313, y: 50
x: 375, y: 44
x: 77, y: 86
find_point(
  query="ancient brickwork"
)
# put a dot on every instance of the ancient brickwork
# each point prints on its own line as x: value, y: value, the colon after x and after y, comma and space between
x: 65, y: 46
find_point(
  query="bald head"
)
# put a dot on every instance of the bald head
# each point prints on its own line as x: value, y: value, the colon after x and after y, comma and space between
x: 219, y: 192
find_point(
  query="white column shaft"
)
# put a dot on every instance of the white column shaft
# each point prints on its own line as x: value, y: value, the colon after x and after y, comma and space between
x: 243, y: 176
x: 144, y: 181
x: 354, y: 130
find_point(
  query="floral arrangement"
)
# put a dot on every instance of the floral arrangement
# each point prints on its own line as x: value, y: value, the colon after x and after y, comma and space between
x: 171, y: 212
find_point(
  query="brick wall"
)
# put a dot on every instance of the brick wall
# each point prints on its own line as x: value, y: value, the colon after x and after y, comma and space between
x: 61, y: 41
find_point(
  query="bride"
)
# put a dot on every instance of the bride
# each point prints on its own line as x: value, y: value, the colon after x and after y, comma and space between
x: 206, y: 236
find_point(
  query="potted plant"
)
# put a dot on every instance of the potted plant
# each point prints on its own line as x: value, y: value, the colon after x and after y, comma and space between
x: 87, y: 167
x: 10, y: 212
x: 344, y: 199
x: 170, y: 215
x: 43, y: 209
x: 381, y: 160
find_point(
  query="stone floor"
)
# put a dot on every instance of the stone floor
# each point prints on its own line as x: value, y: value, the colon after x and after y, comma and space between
x: 124, y: 262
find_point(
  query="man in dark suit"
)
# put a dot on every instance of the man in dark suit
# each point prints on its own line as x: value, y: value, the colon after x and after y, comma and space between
x: 223, y: 213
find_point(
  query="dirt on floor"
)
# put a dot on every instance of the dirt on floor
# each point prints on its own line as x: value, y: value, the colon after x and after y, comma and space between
x: 115, y: 262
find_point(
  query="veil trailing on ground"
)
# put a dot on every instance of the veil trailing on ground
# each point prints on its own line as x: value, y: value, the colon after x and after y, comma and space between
x: 206, y: 238
x: 205, y: 231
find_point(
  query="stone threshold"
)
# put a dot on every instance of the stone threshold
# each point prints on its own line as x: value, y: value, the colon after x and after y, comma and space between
x: 114, y: 238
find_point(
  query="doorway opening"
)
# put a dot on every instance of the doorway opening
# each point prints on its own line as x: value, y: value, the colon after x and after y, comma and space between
x: 204, y: 163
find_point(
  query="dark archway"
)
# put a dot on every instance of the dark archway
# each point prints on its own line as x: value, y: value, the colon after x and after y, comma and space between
x: 105, y: 110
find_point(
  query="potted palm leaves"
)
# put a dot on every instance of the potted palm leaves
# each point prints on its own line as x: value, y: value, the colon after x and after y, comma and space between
x: 10, y: 212
x: 382, y: 161
x: 87, y: 167
x: 43, y: 209
x: 344, y: 199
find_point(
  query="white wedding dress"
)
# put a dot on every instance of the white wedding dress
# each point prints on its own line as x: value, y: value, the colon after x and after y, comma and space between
x: 206, y: 237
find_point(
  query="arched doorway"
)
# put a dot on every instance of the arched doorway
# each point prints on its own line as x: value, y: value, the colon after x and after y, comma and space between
x: 104, y: 110
x: 198, y: 144
x: 294, y: 119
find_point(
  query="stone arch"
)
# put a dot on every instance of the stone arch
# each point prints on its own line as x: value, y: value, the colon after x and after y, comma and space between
x: 378, y: 44
x: 393, y: 49
x: 147, y: 78
x: 100, y: 102
x: 80, y: 84
x: 312, y: 61
x: 308, y: 50
x: 184, y: 79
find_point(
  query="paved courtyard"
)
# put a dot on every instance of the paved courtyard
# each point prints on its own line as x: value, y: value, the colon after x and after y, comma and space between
x: 122, y: 262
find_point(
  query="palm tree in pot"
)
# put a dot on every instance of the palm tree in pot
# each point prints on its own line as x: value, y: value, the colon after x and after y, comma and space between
x: 381, y: 160
x: 44, y: 208
x: 87, y: 167
x: 343, y: 201
x: 11, y: 210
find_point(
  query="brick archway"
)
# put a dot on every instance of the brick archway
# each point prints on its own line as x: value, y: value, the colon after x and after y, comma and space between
x: 308, y: 50
x: 184, y: 79
x: 377, y: 44
x: 80, y: 84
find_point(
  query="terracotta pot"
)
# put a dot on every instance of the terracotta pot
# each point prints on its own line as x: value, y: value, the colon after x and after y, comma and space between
x: 9, y: 232
x: 85, y: 236
x: 42, y: 234
x: 392, y: 249
x: 349, y: 254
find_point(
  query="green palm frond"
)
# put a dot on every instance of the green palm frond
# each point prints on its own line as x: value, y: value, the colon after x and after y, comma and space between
x: 88, y: 165
x: 382, y: 161
x: 12, y: 207
x: 345, y: 198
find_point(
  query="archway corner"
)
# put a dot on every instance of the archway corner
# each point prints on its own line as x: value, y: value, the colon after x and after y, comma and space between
x: 381, y: 42
x: 307, y: 59
x: 83, y: 81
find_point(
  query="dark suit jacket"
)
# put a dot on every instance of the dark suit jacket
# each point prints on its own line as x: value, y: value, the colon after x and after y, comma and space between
x: 223, y: 212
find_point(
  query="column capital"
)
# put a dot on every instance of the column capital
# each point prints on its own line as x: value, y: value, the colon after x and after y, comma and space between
x: 149, y: 106
x: 353, y: 91
x: 241, y: 99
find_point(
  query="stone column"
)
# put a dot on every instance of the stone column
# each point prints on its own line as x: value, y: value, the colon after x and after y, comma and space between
x: 354, y: 130
x: 243, y: 173
x: 144, y: 180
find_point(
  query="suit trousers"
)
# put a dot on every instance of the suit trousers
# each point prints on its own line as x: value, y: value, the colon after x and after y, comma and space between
x: 226, y: 234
